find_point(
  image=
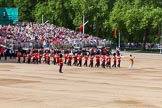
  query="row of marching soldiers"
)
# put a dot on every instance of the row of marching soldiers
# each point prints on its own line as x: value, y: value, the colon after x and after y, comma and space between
x: 69, y: 59
x: 101, y: 60
x: 34, y: 57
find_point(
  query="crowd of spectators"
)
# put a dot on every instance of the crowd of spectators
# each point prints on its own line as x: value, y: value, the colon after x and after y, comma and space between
x: 34, y: 35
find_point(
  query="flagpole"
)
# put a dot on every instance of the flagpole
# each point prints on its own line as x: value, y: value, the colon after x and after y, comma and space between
x: 83, y: 24
x: 119, y: 40
x: 83, y: 16
x: 160, y: 45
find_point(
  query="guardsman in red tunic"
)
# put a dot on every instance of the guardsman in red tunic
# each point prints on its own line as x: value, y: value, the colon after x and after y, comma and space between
x: 79, y: 60
x: 114, y: 60
x: 57, y: 58
x: 39, y: 58
x: 24, y: 57
x: 54, y: 58
x: 75, y: 60
x: 119, y: 60
x: 19, y: 56
x: 69, y: 60
x: 48, y: 58
x: 85, y: 60
x: 108, y: 61
x: 60, y: 63
x: 0, y: 53
x: 29, y: 58
x: 91, y: 61
x: 97, y: 61
x: 66, y: 57
x: 45, y: 57
x: 33, y: 56
x: 36, y: 58
x: 103, y: 61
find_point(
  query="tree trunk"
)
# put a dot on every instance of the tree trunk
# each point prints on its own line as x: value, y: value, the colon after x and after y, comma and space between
x: 144, y: 41
x: 145, y: 38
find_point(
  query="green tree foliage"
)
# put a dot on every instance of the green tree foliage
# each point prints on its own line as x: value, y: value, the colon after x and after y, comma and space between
x: 26, y: 9
x: 6, y: 3
x: 96, y: 12
x: 56, y: 11
x: 139, y: 17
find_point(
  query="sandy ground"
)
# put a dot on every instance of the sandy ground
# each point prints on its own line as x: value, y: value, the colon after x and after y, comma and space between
x: 41, y: 86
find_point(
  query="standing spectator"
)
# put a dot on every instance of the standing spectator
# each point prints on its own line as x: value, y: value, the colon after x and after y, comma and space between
x: 117, y: 51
